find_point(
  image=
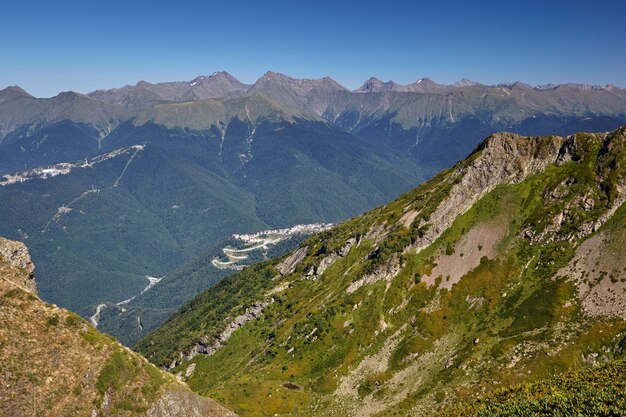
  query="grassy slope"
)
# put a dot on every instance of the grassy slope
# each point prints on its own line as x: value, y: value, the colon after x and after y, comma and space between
x: 435, y: 347
x: 157, y: 305
x: 599, y: 391
x: 52, y: 363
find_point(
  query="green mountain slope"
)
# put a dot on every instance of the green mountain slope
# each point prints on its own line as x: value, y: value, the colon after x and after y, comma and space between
x: 222, y: 157
x: 137, y: 317
x: 52, y: 363
x: 145, y: 95
x: 598, y: 391
x: 98, y: 230
x: 19, y: 109
x: 155, y: 198
x: 500, y: 270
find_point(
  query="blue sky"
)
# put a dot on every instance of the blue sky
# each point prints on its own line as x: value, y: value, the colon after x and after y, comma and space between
x: 52, y: 46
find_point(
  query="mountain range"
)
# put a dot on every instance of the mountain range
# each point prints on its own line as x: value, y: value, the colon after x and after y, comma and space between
x: 412, y: 115
x: 114, y: 187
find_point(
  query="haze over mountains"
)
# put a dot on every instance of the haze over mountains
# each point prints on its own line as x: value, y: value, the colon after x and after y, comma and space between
x: 218, y: 98
x: 160, y: 173
x: 413, y: 116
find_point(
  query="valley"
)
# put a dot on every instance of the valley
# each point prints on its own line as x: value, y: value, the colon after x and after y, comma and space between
x: 111, y: 186
x: 261, y: 241
x: 135, y: 317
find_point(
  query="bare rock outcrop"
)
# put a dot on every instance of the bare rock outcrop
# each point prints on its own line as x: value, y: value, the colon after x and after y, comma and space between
x: 503, y: 158
x: 328, y: 260
x: 208, y: 346
x: 184, y: 403
x: 16, y: 254
x: 290, y: 263
x: 67, y: 359
x: 384, y: 272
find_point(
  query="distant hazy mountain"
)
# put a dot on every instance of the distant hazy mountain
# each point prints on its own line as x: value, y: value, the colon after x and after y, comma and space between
x: 159, y: 173
x: 423, y: 85
x: 20, y: 110
x: 310, y: 96
x: 143, y: 94
x: 410, y: 115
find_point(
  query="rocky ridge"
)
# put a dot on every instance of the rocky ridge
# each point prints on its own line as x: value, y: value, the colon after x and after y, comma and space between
x: 70, y: 367
x: 208, y: 346
x: 16, y: 255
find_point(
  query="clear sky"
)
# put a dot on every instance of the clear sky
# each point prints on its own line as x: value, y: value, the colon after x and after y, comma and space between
x: 52, y: 46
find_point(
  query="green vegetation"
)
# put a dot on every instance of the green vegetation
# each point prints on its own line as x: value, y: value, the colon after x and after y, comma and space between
x: 218, y: 164
x: 590, y: 392
x: 53, y: 320
x: 162, y: 301
x: 385, y: 329
x: 185, y: 192
x: 118, y: 379
x: 398, y: 344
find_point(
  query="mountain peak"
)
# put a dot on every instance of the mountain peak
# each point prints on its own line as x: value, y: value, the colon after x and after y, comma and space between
x: 423, y: 85
x: 374, y: 85
x: 220, y: 74
x: 332, y: 83
x: 271, y: 76
x: 216, y: 76
x: 271, y: 82
x: 464, y: 82
x: 514, y: 85
x: 425, y: 80
x: 14, y: 91
x: 71, y: 95
x: 543, y: 87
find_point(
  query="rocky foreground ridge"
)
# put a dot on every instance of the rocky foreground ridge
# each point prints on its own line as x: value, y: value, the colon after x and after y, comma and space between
x: 53, y: 363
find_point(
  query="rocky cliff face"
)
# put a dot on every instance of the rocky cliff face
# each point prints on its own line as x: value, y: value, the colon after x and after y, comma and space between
x: 53, y: 363
x: 503, y: 158
x: 19, y: 267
